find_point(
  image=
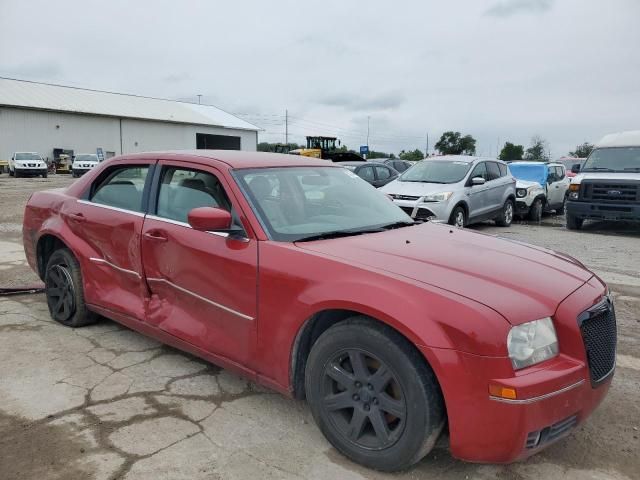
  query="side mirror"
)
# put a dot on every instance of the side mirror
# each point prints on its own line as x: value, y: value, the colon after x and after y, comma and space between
x: 478, y: 181
x: 209, y: 219
x: 575, y: 168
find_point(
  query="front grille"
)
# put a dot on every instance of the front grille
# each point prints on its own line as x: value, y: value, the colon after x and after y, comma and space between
x: 611, y: 192
x: 405, y: 197
x: 551, y: 433
x: 599, y: 333
x: 424, y: 214
x: 407, y: 210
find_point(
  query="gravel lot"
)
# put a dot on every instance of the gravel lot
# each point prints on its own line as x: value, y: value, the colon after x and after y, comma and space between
x: 104, y: 402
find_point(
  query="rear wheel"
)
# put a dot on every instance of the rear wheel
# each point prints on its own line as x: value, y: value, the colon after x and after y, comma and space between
x: 506, y: 217
x: 63, y: 289
x: 458, y: 217
x: 574, y: 223
x: 535, y: 212
x: 372, y: 395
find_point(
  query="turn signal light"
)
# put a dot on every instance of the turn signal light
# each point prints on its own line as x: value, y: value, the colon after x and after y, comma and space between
x: 574, y: 187
x: 502, y: 392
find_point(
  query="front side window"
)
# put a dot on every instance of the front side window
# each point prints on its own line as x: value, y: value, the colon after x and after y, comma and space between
x: 295, y: 203
x: 182, y: 190
x: 480, y: 170
x: 366, y: 173
x: 436, y: 171
x: 121, y: 187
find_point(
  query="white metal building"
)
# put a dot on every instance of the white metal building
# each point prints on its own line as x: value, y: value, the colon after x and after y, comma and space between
x: 39, y: 117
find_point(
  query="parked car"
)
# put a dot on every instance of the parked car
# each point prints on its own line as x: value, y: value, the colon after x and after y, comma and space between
x: 377, y: 174
x: 398, y: 164
x: 457, y: 189
x: 540, y: 186
x: 607, y: 185
x: 569, y: 162
x: 27, y: 164
x: 295, y: 273
x: 83, y: 162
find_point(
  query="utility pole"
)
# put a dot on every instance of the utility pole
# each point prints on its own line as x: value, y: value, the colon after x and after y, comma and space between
x: 368, y: 118
x: 286, y: 127
x: 199, y: 97
x: 426, y: 152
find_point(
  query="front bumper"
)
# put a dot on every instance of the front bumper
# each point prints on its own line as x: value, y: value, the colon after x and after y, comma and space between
x: 25, y: 171
x: 552, y: 397
x: 603, y: 211
x: 522, y: 207
x: 426, y: 210
x: 80, y: 171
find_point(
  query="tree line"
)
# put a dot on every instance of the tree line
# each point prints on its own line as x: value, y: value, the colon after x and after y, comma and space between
x: 454, y: 143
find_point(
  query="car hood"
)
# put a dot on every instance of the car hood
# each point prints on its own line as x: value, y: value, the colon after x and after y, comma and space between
x: 416, y: 189
x: 519, y: 281
x: 526, y: 184
x: 606, y: 176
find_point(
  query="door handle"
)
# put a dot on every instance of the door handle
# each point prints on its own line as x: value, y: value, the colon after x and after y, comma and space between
x: 78, y: 217
x: 155, y: 236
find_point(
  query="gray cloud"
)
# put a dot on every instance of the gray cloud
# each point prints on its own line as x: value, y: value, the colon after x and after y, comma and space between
x: 506, y: 8
x: 385, y: 101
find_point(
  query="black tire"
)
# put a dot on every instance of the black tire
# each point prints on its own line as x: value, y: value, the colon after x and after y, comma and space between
x: 74, y: 174
x: 387, y: 425
x: 563, y: 207
x: 11, y: 173
x: 45, y: 174
x: 16, y: 174
x: 574, y: 223
x: 63, y: 289
x: 458, y: 217
x: 506, y: 216
x: 535, y: 211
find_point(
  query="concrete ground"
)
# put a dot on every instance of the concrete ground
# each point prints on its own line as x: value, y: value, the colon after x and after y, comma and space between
x: 104, y: 402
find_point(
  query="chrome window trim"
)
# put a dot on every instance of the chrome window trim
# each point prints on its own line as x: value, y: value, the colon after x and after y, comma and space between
x: 102, y: 261
x: 200, y: 297
x: 109, y: 207
x: 526, y: 401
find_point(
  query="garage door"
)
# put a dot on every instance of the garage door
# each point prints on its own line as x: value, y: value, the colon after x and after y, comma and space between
x: 217, y: 142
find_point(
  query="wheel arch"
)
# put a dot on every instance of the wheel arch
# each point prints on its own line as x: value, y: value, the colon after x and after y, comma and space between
x: 464, y: 205
x: 46, y: 245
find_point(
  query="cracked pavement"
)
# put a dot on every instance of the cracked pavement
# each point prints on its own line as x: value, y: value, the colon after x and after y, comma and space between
x: 104, y: 402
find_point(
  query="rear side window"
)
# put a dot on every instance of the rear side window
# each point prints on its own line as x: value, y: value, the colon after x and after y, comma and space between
x: 503, y: 169
x: 366, y: 173
x: 121, y: 187
x: 383, y: 173
x: 493, y: 170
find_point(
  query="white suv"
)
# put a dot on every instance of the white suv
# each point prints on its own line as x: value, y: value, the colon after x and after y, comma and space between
x: 83, y: 162
x: 27, y: 163
x: 540, y: 186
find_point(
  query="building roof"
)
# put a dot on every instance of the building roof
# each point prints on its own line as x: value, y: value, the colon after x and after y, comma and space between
x: 235, y: 158
x: 620, y: 139
x: 44, y: 96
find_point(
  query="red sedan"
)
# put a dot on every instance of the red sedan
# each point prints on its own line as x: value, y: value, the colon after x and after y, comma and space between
x: 299, y: 275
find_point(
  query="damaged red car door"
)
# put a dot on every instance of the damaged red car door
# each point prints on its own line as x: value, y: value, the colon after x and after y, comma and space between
x: 203, y: 284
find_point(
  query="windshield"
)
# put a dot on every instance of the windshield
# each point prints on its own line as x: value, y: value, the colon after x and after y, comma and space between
x: 87, y: 158
x: 298, y: 202
x: 618, y: 159
x: 27, y: 156
x: 531, y: 173
x: 436, y: 171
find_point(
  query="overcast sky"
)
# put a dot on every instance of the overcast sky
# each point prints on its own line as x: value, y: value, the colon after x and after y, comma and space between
x: 568, y: 70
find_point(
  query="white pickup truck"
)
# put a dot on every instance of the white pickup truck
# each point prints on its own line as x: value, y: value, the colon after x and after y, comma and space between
x: 540, y: 186
x: 607, y: 184
x: 27, y: 163
x: 83, y: 162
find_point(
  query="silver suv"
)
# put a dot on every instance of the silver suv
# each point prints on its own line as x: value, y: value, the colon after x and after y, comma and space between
x: 456, y: 189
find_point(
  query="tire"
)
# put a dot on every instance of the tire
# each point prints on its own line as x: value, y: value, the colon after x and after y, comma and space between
x: 409, y: 390
x: 11, y: 173
x: 458, y: 217
x: 563, y: 207
x: 16, y: 174
x: 63, y: 290
x: 574, y: 223
x: 506, y: 217
x: 74, y: 174
x: 535, y: 211
x: 45, y: 174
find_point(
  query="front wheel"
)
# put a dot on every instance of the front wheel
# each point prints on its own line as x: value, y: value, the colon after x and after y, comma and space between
x: 11, y: 173
x: 458, y: 217
x: 372, y: 395
x: 63, y: 289
x: 574, y: 223
x: 535, y: 212
x: 45, y: 174
x: 506, y: 217
x: 563, y: 207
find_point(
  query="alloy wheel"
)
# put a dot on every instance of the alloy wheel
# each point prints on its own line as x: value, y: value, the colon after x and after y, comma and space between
x: 508, y: 213
x: 363, y: 399
x: 459, y: 219
x: 60, y: 292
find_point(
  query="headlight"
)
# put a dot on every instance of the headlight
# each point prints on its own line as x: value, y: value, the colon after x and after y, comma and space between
x: 437, y: 197
x: 531, y: 343
x: 521, y: 192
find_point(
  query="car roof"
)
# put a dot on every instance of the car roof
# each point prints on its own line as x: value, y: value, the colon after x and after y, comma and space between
x: 462, y: 158
x: 235, y: 158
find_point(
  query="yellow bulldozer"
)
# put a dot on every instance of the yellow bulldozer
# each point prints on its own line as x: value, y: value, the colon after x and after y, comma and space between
x: 325, y: 148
